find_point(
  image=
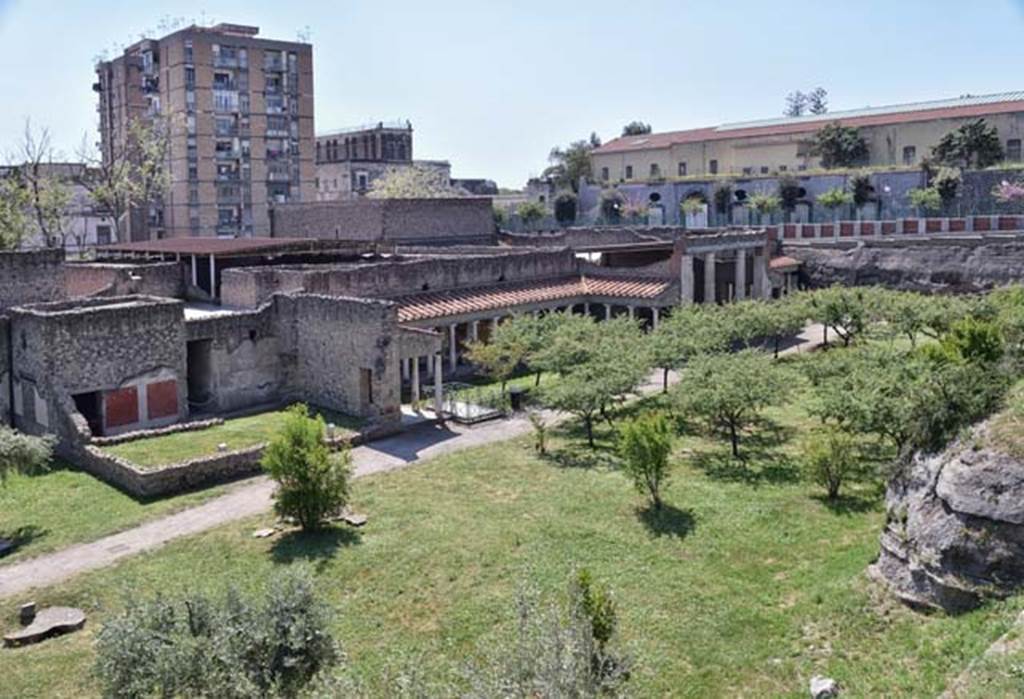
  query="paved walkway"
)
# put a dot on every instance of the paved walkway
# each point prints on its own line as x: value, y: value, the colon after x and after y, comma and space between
x: 253, y: 496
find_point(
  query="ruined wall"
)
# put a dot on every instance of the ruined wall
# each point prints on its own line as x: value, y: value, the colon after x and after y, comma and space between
x: 131, y: 349
x: 247, y: 366
x: 31, y: 277
x: 420, y: 221
x: 931, y: 266
x: 249, y: 287
x: 334, y: 341
x: 112, y: 279
x: 5, y: 372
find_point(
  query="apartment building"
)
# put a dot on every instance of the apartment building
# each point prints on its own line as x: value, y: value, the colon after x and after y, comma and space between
x: 349, y: 160
x: 896, y: 135
x: 238, y: 109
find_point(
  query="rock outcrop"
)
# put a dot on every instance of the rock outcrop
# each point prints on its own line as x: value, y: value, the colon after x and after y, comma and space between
x: 929, y: 266
x: 954, y: 531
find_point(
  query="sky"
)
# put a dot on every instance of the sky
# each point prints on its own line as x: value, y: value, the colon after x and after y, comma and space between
x: 492, y: 86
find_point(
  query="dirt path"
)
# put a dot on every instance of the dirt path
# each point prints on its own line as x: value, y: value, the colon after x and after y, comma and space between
x: 253, y: 496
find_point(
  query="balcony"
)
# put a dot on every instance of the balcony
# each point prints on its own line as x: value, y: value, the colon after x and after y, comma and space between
x: 233, y: 154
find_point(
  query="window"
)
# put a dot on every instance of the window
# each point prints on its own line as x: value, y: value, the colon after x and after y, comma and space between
x: 188, y: 50
x: 655, y: 170
x: 362, y: 181
x: 764, y: 169
x: 629, y: 172
x: 682, y: 169
x: 604, y: 174
x: 783, y: 168
x: 746, y: 171
x: 1013, y: 149
x: 102, y: 235
x: 909, y: 155
x: 713, y: 167
x: 190, y: 77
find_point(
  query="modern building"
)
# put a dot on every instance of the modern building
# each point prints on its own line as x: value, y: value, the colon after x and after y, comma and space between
x: 349, y: 160
x: 897, y: 135
x: 238, y: 109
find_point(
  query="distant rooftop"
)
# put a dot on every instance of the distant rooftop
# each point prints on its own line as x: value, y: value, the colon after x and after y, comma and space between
x: 966, y: 106
x: 396, y: 125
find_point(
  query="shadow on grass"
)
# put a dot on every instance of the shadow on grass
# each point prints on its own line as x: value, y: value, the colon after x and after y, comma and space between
x: 850, y: 504
x: 582, y: 456
x: 754, y: 467
x: 668, y: 521
x: 316, y: 547
x: 22, y: 536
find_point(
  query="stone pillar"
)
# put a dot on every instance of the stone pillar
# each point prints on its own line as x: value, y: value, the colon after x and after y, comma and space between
x: 632, y: 312
x: 685, y: 279
x: 405, y: 369
x: 762, y: 286
x: 607, y: 311
x: 740, y: 288
x: 474, y: 330
x: 415, y: 380
x: 586, y: 308
x: 438, y: 393
x: 654, y: 317
x: 494, y: 327
x: 213, y: 277
x: 453, y: 348
x: 195, y: 272
x: 709, y: 278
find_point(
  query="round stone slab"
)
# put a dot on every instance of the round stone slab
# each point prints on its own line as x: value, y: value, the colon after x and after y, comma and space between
x: 51, y: 621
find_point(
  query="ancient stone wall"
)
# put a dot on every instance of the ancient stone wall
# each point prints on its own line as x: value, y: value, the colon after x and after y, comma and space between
x: 130, y: 350
x: 5, y: 371
x: 31, y: 277
x: 420, y: 221
x: 113, y: 279
x: 931, y: 266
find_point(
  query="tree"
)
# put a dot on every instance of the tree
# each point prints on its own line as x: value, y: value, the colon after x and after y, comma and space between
x: 273, y: 644
x: 636, y: 128
x: 947, y: 183
x: 839, y: 146
x: 722, y: 197
x: 565, y: 208
x: 692, y: 206
x: 843, y: 310
x: 973, y: 145
x: 132, y: 173
x: 755, y: 318
x: 571, y: 164
x: 531, y: 212
x: 834, y: 199
x: 596, y: 363
x: 312, y: 484
x: 598, y: 606
x: 612, y: 205
x: 22, y: 453
x: 515, y: 343
x: 730, y: 390
x: 817, y: 101
x: 687, y: 332
x: 796, y: 104
x: 911, y: 314
x: 46, y: 195
x: 14, y: 206
x: 413, y: 182
x: 645, y: 444
x: 831, y: 458
x: 925, y: 199
x: 799, y: 103
x: 790, y: 192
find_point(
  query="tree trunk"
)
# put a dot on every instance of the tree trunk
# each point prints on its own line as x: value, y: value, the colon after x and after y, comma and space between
x: 777, y: 340
x: 735, y: 439
x: 664, y: 380
x: 588, y: 422
x: 536, y: 381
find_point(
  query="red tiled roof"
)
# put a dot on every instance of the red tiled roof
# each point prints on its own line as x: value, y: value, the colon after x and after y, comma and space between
x: 437, y: 304
x: 718, y: 133
x: 783, y: 262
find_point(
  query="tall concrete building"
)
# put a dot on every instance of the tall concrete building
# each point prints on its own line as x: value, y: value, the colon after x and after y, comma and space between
x: 239, y: 113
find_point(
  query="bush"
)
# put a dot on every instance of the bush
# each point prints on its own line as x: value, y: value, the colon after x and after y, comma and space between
x: 233, y: 647
x: 530, y: 212
x: 723, y: 198
x: 612, y: 205
x: 565, y: 208
x: 925, y: 199
x: 831, y: 459
x: 835, y: 198
x: 23, y: 453
x: 312, y: 483
x: 645, y: 444
x: 597, y: 603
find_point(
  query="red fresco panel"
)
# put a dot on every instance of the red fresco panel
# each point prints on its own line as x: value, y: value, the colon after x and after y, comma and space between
x: 162, y: 399
x: 122, y: 406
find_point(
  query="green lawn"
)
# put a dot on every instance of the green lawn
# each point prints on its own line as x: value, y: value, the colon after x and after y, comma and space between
x: 237, y: 433
x: 63, y: 506
x: 747, y: 584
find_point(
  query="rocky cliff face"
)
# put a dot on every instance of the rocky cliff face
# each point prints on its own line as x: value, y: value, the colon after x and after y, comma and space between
x: 923, y: 266
x: 954, y: 531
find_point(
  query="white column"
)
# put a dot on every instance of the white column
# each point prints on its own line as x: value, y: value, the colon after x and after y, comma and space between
x: 709, y: 278
x: 213, y: 276
x: 474, y: 330
x: 416, y: 380
x: 438, y: 396
x: 195, y: 272
x: 586, y: 308
x: 607, y: 311
x: 405, y: 369
x: 762, y: 286
x: 740, y: 288
x: 453, y: 350
x: 685, y: 279
x: 494, y: 327
x: 654, y: 317
x: 632, y: 312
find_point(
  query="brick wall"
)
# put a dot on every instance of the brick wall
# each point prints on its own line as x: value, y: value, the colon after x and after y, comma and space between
x: 31, y: 277
x: 413, y: 221
x: 108, y: 279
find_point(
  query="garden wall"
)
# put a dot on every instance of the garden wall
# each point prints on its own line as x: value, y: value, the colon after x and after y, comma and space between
x: 31, y: 277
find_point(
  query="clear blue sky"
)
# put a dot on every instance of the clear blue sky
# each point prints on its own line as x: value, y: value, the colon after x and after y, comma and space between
x: 492, y: 86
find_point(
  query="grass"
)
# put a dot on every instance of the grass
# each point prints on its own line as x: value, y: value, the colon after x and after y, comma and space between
x: 1007, y: 426
x: 236, y: 433
x: 749, y: 581
x: 49, y: 511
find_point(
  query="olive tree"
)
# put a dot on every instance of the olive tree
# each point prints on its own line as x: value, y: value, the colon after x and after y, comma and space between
x: 730, y: 390
x: 687, y: 332
x: 645, y: 444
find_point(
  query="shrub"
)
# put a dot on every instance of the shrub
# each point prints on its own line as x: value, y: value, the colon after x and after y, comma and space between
x: 612, y: 205
x: 691, y: 206
x: 540, y: 432
x: 832, y: 459
x: 233, y: 647
x: 565, y: 208
x: 839, y: 146
x: 947, y: 183
x: 862, y: 189
x: 23, y: 453
x: 764, y: 204
x: 312, y: 483
x: 723, y: 198
x: 597, y: 603
x: 835, y: 198
x: 925, y: 199
x: 645, y: 444
x: 530, y: 212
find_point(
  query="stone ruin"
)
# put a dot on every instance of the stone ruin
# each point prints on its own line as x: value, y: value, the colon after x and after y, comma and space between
x: 954, y: 532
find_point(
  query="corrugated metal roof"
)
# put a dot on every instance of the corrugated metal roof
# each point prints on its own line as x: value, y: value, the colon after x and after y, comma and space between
x: 961, y: 107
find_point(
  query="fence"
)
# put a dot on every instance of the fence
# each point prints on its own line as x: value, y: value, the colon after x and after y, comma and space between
x: 903, y: 226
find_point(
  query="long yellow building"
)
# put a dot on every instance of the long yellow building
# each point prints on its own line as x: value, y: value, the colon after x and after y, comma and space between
x: 898, y: 135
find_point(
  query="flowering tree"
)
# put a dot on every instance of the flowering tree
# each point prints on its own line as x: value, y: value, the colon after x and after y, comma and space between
x: 1009, y: 192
